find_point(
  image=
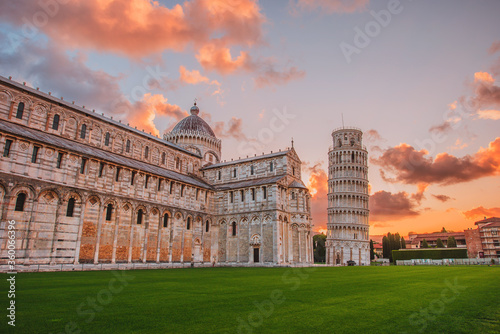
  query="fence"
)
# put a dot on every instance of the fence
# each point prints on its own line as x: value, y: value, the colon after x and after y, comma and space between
x: 446, y: 262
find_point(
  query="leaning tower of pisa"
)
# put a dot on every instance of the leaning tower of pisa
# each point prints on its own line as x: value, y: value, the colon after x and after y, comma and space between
x: 347, y: 227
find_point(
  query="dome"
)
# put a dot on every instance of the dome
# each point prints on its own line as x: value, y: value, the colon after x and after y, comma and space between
x: 194, y: 123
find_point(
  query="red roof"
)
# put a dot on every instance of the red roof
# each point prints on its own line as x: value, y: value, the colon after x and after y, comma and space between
x: 488, y: 220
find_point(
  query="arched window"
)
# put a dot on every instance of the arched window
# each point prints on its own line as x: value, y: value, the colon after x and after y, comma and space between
x: 21, y: 198
x: 109, y: 211
x: 83, y: 131
x: 271, y: 166
x: 251, y: 170
x: 106, y: 139
x: 163, y: 158
x: 233, y: 225
x: 20, y: 110
x: 55, y: 122
x: 127, y: 146
x: 340, y: 142
x: 220, y: 175
x: 188, y: 225
x: 139, y: 217
x: 71, y: 207
x: 165, y: 220
x: 146, y: 152
x: 207, y: 226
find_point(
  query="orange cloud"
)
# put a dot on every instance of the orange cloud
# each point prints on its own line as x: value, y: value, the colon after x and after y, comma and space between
x: 143, y: 113
x: 483, y: 76
x: 412, y: 167
x: 192, y: 77
x: 142, y: 27
x: 386, y: 206
x: 214, y: 57
x: 318, y: 186
x: 480, y: 212
x: 489, y: 114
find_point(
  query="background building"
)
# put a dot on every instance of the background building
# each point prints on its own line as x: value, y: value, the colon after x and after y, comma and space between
x: 84, y: 188
x: 415, y: 240
x: 347, y: 227
x: 484, y: 241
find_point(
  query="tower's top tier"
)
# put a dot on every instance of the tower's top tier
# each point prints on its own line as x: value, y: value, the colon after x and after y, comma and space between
x: 347, y: 137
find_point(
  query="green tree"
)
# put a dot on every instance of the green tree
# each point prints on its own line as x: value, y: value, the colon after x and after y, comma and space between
x: 403, y: 243
x: 319, y: 241
x: 439, y: 243
x: 424, y: 244
x: 372, y: 253
x: 451, y: 242
x: 386, y: 249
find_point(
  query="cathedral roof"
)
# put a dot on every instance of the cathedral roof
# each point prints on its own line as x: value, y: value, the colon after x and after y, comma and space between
x: 255, y: 158
x: 297, y: 184
x: 193, y: 123
x: 88, y: 150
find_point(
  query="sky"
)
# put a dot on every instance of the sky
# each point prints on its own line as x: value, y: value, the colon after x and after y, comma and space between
x: 420, y: 78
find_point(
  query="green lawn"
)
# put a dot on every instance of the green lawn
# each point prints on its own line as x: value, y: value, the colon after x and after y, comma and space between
x: 259, y: 300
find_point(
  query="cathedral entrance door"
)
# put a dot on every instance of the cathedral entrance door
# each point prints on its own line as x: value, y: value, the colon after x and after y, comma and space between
x: 256, y: 252
x: 337, y: 261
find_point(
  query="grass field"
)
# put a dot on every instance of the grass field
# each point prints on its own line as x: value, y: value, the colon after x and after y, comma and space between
x: 259, y: 300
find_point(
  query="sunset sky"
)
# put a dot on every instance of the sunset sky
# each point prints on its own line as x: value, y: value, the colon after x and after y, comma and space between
x: 420, y: 78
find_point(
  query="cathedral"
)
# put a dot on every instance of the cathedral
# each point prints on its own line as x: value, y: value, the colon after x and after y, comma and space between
x: 84, y: 188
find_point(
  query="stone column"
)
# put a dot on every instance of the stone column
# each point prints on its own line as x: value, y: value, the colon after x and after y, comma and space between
x: 145, y: 245
x: 115, y: 234
x: 99, y: 228
x: 56, y: 223
x: 158, y: 238
x: 131, y: 237
x: 80, y: 230
x: 28, y: 226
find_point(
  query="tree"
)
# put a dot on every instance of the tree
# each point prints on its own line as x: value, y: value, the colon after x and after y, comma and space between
x: 424, y: 244
x: 372, y: 253
x: 451, y: 242
x: 319, y: 247
x: 439, y: 243
x: 386, y: 249
x: 403, y: 243
x: 443, y: 230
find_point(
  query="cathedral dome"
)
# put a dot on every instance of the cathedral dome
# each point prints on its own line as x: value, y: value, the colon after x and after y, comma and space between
x: 193, y: 123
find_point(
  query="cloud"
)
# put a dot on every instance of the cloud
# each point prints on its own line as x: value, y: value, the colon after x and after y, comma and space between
x: 489, y: 114
x: 318, y: 186
x: 49, y: 67
x: 214, y: 57
x: 419, y: 195
x: 373, y: 136
x: 329, y: 6
x: 139, y: 28
x: 233, y: 129
x: 269, y: 76
x: 412, y: 167
x: 481, y: 212
x: 486, y: 93
x: 143, y: 113
x: 441, y: 128
x: 495, y: 46
x: 442, y: 198
x: 459, y: 145
x: 386, y: 206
